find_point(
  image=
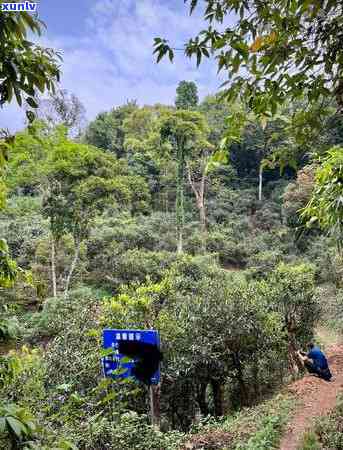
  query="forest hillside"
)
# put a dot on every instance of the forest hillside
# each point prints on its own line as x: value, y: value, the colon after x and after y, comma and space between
x: 215, y: 221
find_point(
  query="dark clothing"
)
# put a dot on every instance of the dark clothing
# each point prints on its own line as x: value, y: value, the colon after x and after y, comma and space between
x: 322, y: 373
x: 318, y: 358
x: 320, y: 365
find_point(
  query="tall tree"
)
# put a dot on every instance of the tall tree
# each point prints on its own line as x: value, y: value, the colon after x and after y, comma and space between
x: 286, y: 48
x: 186, y: 95
x: 106, y: 131
x: 199, y: 165
x: 25, y: 69
x: 145, y: 151
x: 62, y: 108
x: 269, y: 141
x: 82, y: 181
x: 183, y: 129
x: 76, y: 181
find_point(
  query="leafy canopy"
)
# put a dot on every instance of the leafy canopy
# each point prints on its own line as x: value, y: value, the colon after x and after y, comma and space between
x: 273, y: 51
x: 325, y: 207
x: 25, y: 67
x: 186, y: 95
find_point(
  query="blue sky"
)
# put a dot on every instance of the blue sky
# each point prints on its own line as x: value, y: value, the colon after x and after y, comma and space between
x: 107, y: 52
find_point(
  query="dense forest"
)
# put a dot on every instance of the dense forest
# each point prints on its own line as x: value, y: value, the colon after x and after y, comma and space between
x: 214, y: 224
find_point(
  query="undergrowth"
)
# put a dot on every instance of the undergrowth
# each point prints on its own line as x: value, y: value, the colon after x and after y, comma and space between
x: 255, y: 428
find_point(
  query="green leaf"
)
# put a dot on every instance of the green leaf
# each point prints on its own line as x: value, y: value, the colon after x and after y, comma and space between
x: 30, y: 116
x: 2, y: 425
x: 106, y: 352
x: 171, y: 55
x: 31, y: 101
x: 17, y: 427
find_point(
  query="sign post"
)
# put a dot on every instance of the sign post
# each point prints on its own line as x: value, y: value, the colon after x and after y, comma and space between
x: 155, y: 391
x: 140, y: 348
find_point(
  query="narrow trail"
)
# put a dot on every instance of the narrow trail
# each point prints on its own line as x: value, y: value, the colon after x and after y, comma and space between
x: 316, y: 398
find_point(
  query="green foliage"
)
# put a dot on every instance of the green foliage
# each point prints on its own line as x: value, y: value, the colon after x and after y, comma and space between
x: 25, y: 68
x: 133, y: 432
x: 231, y: 310
x: 17, y: 424
x: 275, y: 47
x: 325, y: 207
x: 72, y: 356
x: 8, y: 267
x: 267, y: 437
x: 256, y: 427
x: 296, y: 196
x: 328, y: 430
x: 186, y: 95
x: 309, y: 442
x: 295, y: 299
x: 9, y: 328
x: 107, y: 131
x: 186, y: 131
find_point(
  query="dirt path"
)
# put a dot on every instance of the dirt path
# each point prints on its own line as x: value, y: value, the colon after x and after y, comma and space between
x: 317, y: 397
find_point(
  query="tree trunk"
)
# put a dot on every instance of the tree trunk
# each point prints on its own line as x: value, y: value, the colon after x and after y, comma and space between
x: 201, y: 398
x: 295, y: 364
x: 72, y: 267
x: 155, y: 411
x: 260, y: 183
x: 217, y: 390
x: 256, y: 381
x: 240, y: 378
x: 202, y: 212
x: 53, y: 266
x: 179, y: 199
x: 199, y: 192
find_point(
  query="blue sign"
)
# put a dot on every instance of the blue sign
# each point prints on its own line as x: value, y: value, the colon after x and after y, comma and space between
x: 116, y: 364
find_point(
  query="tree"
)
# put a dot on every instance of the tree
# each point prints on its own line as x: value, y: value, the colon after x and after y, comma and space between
x: 82, y: 182
x: 197, y: 172
x: 286, y: 49
x: 145, y: 151
x: 25, y: 68
x: 8, y: 267
x: 295, y: 300
x: 106, y: 130
x: 76, y: 181
x: 269, y: 141
x: 325, y: 208
x: 297, y: 195
x: 183, y: 129
x: 62, y: 108
x: 186, y: 95
x: 200, y: 164
x: 216, y: 112
x: 4, y: 144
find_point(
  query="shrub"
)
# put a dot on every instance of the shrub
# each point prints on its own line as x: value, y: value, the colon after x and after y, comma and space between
x: 329, y: 429
x: 309, y: 442
x: 72, y: 356
x: 51, y: 320
x: 229, y: 250
x: 9, y: 328
x: 16, y: 425
x: 22, y: 376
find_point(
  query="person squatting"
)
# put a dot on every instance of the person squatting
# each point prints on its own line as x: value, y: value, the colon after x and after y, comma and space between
x: 315, y: 362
